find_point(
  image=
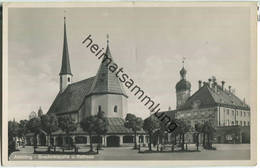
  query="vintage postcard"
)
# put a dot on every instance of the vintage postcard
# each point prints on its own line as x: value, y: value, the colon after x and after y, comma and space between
x: 129, y: 83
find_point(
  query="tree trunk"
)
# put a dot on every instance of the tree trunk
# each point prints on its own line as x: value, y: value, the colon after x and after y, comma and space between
x: 35, y: 140
x: 197, y: 143
x: 182, y: 145
x: 157, y: 142
x: 208, y: 140
x: 135, y: 147
x: 101, y: 142
x: 91, y: 146
x: 204, y: 139
x: 24, y: 140
x: 150, y: 142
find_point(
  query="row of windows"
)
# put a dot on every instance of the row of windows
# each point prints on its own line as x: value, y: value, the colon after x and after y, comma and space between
x: 232, y: 123
x: 237, y: 113
x: 115, y: 108
x: 193, y: 113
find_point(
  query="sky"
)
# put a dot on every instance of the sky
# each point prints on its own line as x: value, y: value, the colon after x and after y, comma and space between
x: 149, y: 43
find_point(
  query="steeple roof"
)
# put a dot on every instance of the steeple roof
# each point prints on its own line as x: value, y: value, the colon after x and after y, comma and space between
x: 65, y: 66
x: 106, y: 82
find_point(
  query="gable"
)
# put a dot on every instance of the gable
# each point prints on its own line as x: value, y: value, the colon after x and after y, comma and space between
x: 208, y: 97
x: 201, y: 98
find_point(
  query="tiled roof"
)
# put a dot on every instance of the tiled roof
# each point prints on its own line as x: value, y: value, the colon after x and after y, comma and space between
x: 206, y: 97
x: 116, y: 126
x: 107, y: 81
x: 72, y: 97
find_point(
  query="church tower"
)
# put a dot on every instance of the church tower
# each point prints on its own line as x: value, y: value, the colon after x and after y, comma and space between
x: 107, y: 93
x: 65, y: 72
x: 182, y: 88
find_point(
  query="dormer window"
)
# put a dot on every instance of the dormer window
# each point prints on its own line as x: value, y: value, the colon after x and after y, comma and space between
x: 115, y: 109
x: 68, y: 79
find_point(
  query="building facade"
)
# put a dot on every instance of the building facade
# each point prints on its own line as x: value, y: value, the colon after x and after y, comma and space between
x: 217, y: 105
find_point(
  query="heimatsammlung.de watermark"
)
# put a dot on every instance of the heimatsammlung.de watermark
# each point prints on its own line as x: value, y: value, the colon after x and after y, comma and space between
x: 129, y: 83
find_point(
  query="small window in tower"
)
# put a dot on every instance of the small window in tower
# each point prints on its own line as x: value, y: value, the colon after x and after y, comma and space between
x: 68, y: 79
x: 99, y: 108
x: 115, y: 109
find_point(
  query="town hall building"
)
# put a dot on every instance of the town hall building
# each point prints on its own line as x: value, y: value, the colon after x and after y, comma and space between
x: 214, y: 103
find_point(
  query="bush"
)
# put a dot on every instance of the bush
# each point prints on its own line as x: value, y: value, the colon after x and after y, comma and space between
x: 11, y: 147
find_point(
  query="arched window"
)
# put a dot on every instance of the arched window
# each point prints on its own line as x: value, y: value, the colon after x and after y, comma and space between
x: 115, y: 109
x: 68, y: 79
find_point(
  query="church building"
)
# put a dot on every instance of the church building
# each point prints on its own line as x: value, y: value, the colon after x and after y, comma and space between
x: 87, y: 97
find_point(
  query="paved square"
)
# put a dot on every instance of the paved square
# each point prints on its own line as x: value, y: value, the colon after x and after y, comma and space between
x: 223, y: 152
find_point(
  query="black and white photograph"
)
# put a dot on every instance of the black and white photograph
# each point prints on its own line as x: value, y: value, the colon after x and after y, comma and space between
x: 160, y: 83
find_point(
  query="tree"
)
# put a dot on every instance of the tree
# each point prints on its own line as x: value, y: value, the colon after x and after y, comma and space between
x: 151, y: 124
x: 182, y: 129
x: 49, y: 124
x: 13, y: 129
x: 198, y: 128
x: 88, y: 124
x: 101, y: 125
x: 12, y: 134
x: 22, y: 127
x: 67, y: 124
x: 209, y: 130
x: 34, y: 125
x: 134, y: 123
x: 162, y: 133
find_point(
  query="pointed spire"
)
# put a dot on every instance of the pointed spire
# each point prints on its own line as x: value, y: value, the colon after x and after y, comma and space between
x: 65, y: 67
x: 108, y: 49
x: 107, y: 39
x: 106, y: 81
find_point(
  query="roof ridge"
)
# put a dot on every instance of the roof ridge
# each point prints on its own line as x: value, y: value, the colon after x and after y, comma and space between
x: 81, y: 81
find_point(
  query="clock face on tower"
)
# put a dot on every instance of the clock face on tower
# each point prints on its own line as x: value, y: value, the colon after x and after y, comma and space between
x: 196, y: 104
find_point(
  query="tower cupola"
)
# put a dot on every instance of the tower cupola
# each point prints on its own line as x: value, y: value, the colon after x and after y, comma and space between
x: 183, y: 88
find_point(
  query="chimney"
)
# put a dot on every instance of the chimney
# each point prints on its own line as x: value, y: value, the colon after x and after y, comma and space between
x: 222, y: 84
x: 214, y: 79
x: 199, y: 84
x: 209, y: 81
x: 229, y: 88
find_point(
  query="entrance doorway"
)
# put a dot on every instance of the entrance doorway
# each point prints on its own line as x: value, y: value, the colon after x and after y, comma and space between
x: 113, y: 141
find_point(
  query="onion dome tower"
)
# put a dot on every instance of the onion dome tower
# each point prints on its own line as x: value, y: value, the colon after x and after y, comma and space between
x: 183, y: 88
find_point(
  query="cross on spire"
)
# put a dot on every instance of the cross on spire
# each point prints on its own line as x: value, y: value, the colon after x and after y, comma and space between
x: 107, y: 38
x: 64, y: 15
x: 183, y: 61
